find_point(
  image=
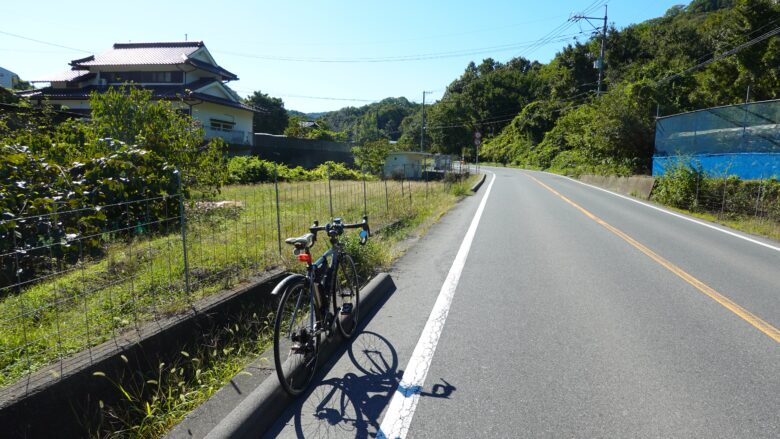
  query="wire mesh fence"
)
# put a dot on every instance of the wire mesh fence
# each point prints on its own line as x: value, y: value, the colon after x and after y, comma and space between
x: 741, y: 140
x: 77, y: 277
x: 756, y: 202
x: 749, y: 205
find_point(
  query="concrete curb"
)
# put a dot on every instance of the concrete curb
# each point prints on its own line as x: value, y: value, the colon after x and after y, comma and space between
x: 478, y: 184
x: 263, y: 406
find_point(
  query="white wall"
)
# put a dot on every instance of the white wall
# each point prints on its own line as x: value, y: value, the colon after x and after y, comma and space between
x: 242, y: 118
x: 408, y: 165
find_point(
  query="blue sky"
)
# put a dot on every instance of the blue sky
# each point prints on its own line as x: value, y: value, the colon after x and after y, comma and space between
x: 315, y: 55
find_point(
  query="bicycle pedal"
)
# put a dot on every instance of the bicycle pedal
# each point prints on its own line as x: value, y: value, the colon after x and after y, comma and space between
x: 346, y: 309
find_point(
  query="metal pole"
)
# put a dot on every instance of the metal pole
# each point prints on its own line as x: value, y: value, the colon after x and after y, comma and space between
x: 422, y: 126
x: 278, y: 216
x: 758, y: 196
x: 601, y: 55
x: 403, y: 194
x: 330, y: 194
x: 477, y: 164
x: 425, y: 170
x: 410, y: 193
x: 183, y: 223
x: 387, y: 199
x: 365, y: 198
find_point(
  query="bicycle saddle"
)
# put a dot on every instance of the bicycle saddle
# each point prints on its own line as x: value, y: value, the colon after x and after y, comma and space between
x: 304, y: 241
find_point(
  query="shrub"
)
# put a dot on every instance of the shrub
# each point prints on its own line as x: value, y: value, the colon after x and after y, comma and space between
x: 246, y: 170
x: 680, y: 185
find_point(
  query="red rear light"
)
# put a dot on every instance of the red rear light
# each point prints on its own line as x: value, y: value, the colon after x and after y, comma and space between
x: 305, y: 257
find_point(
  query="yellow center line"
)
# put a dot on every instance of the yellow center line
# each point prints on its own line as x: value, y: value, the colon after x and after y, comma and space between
x: 727, y: 303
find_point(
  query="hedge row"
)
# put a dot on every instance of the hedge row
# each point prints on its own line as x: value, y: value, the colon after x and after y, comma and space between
x: 686, y: 185
x: 251, y: 169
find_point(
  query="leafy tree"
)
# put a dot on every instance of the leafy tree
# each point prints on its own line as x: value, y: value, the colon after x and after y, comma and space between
x: 23, y: 85
x: 271, y: 116
x: 371, y: 122
x: 298, y: 128
x: 370, y: 157
x: 130, y: 116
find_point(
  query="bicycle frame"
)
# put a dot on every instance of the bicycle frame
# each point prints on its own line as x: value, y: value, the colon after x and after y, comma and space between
x: 302, y: 339
x: 321, y: 294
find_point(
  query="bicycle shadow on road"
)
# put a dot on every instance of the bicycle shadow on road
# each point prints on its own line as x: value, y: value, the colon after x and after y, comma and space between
x: 352, y: 405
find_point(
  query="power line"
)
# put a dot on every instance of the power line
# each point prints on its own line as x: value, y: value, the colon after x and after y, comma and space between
x: 405, y: 58
x: 747, y: 35
x: 428, y: 37
x: 44, y: 42
x: 726, y: 54
x: 327, y: 98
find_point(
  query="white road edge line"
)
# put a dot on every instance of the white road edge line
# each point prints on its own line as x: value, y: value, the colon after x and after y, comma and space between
x: 675, y: 214
x: 399, y: 414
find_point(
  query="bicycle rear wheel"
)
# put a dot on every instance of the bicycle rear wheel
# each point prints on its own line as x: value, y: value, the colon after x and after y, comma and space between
x: 296, y: 343
x: 346, y: 300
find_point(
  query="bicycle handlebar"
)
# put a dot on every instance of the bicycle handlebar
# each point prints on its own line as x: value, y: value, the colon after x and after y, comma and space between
x: 337, y: 228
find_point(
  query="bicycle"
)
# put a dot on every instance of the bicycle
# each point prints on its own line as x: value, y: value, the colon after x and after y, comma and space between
x: 306, y: 302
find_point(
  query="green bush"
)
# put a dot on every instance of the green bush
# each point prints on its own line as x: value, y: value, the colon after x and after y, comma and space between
x: 680, y: 186
x: 685, y: 185
x: 337, y: 172
x: 247, y: 170
x: 36, y: 200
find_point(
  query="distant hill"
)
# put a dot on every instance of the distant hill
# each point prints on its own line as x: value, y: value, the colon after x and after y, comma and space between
x: 310, y: 116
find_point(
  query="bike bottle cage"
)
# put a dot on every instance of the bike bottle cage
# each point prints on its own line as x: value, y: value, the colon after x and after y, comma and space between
x: 305, y: 241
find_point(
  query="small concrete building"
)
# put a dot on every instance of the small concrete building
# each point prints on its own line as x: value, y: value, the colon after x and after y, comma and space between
x: 407, y: 164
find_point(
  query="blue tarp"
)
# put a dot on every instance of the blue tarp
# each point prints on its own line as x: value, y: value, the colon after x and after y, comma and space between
x: 741, y: 140
x: 747, y: 166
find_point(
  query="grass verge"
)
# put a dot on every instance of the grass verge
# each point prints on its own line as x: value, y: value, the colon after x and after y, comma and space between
x: 142, y: 280
x: 228, y: 238
x: 151, y: 405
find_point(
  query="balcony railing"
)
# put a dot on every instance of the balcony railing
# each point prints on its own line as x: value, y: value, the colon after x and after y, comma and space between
x: 230, y: 136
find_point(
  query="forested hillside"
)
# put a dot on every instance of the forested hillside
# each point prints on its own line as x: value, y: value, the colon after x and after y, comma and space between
x: 550, y: 115
x: 562, y: 124
x: 371, y: 122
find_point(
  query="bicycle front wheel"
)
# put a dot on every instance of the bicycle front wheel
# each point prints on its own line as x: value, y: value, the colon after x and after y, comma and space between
x: 296, y: 342
x: 346, y: 296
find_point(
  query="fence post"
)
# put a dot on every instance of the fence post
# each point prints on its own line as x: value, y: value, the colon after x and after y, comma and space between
x: 758, y: 196
x: 183, y: 223
x: 55, y: 263
x: 410, y: 193
x: 387, y: 198
x: 723, y: 201
x: 330, y: 193
x: 278, y: 215
x: 425, y: 170
x: 22, y: 309
x: 365, y: 198
x: 403, y: 191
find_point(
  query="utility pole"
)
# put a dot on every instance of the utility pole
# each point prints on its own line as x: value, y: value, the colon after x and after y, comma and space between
x: 603, y: 32
x: 422, y: 126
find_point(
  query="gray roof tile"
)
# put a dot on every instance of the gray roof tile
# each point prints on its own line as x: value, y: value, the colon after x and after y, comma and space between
x: 142, y: 54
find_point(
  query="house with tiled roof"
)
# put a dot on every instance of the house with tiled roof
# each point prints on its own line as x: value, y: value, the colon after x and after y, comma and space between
x: 182, y: 72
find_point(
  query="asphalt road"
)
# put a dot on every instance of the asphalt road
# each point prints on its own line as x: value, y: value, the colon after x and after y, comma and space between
x: 615, y: 321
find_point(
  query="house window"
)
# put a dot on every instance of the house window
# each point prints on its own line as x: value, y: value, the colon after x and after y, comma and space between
x: 221, y: 125
x: 144, y: 77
